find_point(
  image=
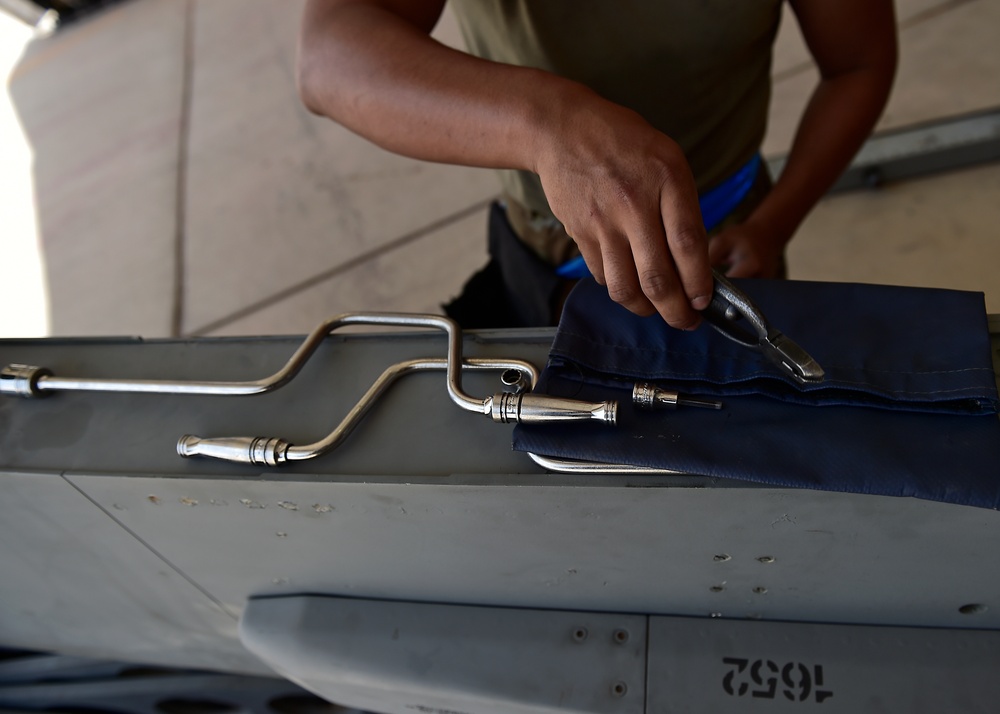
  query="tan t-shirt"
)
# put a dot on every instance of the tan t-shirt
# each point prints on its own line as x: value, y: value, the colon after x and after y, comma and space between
x: 697, y: 70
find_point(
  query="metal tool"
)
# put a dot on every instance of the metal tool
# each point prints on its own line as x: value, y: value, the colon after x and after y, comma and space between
x: 730, y: 304
x: 649, y: 396
x: 516, y: 404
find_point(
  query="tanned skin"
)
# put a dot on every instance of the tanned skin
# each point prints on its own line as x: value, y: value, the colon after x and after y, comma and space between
x: 623, y: 190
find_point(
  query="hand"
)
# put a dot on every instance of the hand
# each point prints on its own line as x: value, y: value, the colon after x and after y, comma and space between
x: 748, y: 250
x: 625, y: 194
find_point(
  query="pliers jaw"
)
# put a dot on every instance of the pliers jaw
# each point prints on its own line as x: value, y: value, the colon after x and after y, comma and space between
x: 730, y: 305
x: 794, y: 360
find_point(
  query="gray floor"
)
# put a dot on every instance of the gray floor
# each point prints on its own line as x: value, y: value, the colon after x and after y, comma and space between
x: 181, y: 188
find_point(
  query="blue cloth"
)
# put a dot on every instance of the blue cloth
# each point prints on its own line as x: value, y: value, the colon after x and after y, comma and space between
x: 908, y: 407
x: 715, y: 205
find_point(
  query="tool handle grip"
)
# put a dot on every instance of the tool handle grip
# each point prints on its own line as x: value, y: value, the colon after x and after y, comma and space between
x: 543, y: 409
x: 255, y: 450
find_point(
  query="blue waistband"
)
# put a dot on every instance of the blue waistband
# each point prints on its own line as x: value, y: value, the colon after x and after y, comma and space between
x: 715, y: 205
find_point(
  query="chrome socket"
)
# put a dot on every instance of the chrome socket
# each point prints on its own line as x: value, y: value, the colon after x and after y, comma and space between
x: 22, y: 380
x: 648, y: 396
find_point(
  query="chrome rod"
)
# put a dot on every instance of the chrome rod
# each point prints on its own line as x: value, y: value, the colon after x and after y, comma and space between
x: 31, y: 381
x: 572, y: 466
x: 273, y: 451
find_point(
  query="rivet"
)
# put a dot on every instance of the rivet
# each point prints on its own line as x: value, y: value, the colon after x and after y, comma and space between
x: 760, y: 590
x: 766, y: 559
x: 621, y: 636
x: 717, y: 588
x: 580, y: 634
x: 722, y: 557
x: 619, y: 689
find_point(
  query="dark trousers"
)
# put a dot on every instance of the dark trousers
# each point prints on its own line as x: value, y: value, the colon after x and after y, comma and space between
x: 515, y: 289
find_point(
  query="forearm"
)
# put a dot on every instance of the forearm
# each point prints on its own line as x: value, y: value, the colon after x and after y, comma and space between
x: 839, y: 117
x: 386, y: 79
x: 622, y: 189
x: 854, y: 45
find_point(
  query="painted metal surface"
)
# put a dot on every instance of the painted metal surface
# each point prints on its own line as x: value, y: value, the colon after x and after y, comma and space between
x: 74, y: 581
x: 120, y: 433
x: 719, y: 667
x: 743, y: 553
x: 401, y: 657
x: 115, y: 547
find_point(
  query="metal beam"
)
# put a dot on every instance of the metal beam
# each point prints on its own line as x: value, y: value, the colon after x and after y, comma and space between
x: 918, y: 150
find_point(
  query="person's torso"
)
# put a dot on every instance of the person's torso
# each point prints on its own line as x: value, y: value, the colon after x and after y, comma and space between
x: 697, y: 70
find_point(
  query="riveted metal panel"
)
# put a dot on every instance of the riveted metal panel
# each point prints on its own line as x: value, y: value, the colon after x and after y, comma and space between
x: 402, y: 657
x: 747, y: 553
x: 72, y: 580
x: 722, y: 666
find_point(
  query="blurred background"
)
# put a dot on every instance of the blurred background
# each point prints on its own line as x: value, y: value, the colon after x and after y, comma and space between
x: 159, y: 177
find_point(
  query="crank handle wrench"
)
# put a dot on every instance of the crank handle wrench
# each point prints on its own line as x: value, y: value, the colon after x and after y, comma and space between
x: 503, y: 408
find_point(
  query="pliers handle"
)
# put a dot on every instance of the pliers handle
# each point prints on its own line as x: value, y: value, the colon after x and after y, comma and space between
x: 730, y: 304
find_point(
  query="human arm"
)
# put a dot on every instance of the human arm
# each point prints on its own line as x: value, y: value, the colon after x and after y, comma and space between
x: 622, y: 189
x: 854, y: 45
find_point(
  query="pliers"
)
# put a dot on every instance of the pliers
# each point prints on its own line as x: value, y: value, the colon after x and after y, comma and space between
x: 730, y: 304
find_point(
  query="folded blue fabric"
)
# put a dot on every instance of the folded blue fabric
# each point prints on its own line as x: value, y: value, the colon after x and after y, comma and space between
x: 908, y: 407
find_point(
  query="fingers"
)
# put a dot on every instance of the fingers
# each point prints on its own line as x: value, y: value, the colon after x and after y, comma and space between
x: 611, y: 263
x: 686, y: 239
x: 639, y: 270
x: 640, y: 275
x: 657, y: 279
x: 625, y: 192
x: 622, y: 281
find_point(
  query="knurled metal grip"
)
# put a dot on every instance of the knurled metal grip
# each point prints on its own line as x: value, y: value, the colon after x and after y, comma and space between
x: 22, y: 380
x: 649, y: 396
x: 254, y: 450
x: 646, y: 396
x: 510, y: 408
